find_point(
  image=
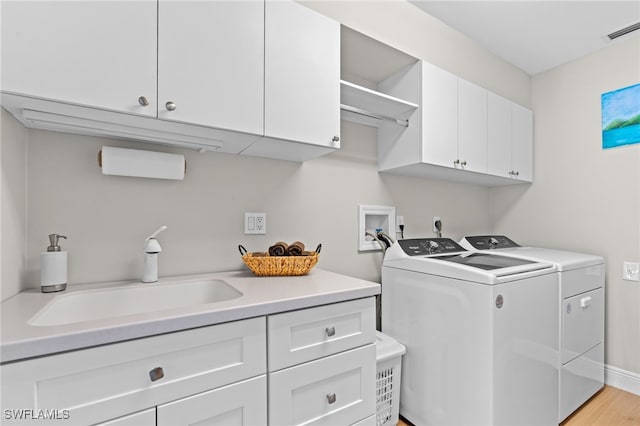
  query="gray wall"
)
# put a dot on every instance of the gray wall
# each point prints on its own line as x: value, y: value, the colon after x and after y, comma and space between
x: 584, y: 198
x: 107, y: 218
x: 13, y: 207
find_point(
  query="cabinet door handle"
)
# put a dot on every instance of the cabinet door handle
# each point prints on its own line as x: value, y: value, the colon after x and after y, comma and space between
x: 464, y: 163
x: 331, y: 398
x: 336, y: 139
x: 143, y: 101
x: 170, y: 106
x: 585, y: 302
x: 516, y: 173
x: 156, y: 374
x: 455, y: 163
x: 331, y: 331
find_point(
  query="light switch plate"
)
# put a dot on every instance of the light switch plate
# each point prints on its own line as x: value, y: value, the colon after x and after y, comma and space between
x: 255, y: 223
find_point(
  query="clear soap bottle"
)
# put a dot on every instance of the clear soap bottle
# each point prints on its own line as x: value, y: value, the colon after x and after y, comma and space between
x: 53, y: 266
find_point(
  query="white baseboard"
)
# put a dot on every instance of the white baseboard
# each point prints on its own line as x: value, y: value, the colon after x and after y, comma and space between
x: 622, y: 379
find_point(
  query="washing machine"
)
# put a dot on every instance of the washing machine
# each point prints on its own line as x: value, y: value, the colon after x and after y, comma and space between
x: 481, y: 333
x: 581, y: 280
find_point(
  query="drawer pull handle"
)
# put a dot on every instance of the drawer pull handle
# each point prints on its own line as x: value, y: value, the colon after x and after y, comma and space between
x: 331, y: 398
x: 585, y: 302
x: 331, y: 331
x: 156, y: 374
x: 143, y: 101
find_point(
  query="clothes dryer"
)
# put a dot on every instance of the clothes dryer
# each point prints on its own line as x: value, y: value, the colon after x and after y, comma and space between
x: 581, y: 279
x: 481, y: 332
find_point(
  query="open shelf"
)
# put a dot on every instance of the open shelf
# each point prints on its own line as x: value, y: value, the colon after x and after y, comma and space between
x: 370, y: 107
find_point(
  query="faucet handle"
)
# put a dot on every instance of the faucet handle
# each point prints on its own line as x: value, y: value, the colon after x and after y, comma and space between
x: 159, y: 230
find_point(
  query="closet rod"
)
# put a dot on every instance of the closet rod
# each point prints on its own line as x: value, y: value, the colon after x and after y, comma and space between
x: 365, y: 113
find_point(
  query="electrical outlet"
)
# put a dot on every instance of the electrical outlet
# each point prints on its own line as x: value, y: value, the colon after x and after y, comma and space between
x: 255, y: 223
x: 435, y: 228
x: 631, y: 271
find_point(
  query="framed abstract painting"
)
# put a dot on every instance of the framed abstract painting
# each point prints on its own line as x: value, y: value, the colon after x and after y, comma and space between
x: 621, y: 117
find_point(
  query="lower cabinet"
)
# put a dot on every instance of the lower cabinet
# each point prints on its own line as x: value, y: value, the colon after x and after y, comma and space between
x: 243, y: 403
x: 322, y: 364
x: 215, y: 375
x: 336, y: 390
x: 108, y: 382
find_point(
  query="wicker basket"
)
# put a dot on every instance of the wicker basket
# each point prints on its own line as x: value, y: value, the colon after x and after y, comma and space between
x: 272, y: 266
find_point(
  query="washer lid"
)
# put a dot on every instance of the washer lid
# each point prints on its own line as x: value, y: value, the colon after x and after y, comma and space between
x: 485, y: 261
x: 564, y: 260
x: 447, y: 259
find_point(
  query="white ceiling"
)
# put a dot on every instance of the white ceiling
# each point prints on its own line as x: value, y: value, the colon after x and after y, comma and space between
x: 536, y: 35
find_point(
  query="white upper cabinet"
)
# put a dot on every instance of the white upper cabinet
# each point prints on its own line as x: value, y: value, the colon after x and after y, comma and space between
x: 302, y: 75
x: 100, y: 54
x: 522, y: 143
x: 499, y: 132
x: 510, y: 144
x: 187, y: 73
x: 460, y: 131
x: 210, y: 63
x: 472, y: 127
x: 439, y: 116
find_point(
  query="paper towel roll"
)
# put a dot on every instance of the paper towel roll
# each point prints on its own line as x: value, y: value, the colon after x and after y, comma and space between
x: 138, y: 163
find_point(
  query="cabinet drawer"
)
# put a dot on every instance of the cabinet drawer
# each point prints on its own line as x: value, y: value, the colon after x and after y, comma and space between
x: 142, y: 418
x: 105, y: 382
x: 580, y: 379
x: 369, y: 421
x: 582, y: 323
x: 581, y: 280
x: 243, y: 403
x: 337, y: 390
x: 308, y: 334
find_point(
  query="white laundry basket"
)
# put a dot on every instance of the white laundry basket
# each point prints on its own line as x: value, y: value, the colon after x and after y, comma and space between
x: 389, y: 363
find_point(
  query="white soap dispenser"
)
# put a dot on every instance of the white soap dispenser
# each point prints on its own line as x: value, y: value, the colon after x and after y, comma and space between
x: 53, y: 266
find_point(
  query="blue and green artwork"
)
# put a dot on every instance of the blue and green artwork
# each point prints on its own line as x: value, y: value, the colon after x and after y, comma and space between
x: 621, y: 117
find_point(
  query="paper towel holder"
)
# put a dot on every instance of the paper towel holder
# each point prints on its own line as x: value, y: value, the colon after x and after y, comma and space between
x: 141, y: 163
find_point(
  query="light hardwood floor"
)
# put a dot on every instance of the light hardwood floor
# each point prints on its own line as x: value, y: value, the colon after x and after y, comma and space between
x: 610, y: 406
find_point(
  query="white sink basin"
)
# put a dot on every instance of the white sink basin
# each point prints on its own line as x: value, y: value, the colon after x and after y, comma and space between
x: 88, y: 305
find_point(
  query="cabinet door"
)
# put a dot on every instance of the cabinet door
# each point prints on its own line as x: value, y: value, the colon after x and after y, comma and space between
x: 499, y: 136
x: 210, y: 63
x: 302, y: 74
x: 240, y: 404
x: 522, y: 143
x: 439, y: 116
x: 472, y: 127
x: 100, y: 54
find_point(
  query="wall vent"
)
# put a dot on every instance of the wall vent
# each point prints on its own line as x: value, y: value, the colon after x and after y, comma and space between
x: 623, y: 31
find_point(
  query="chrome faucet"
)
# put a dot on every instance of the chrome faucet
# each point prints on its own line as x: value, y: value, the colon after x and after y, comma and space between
x: 151, y: 250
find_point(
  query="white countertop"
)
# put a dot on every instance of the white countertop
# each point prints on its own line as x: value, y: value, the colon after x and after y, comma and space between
x: 260, y: 296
